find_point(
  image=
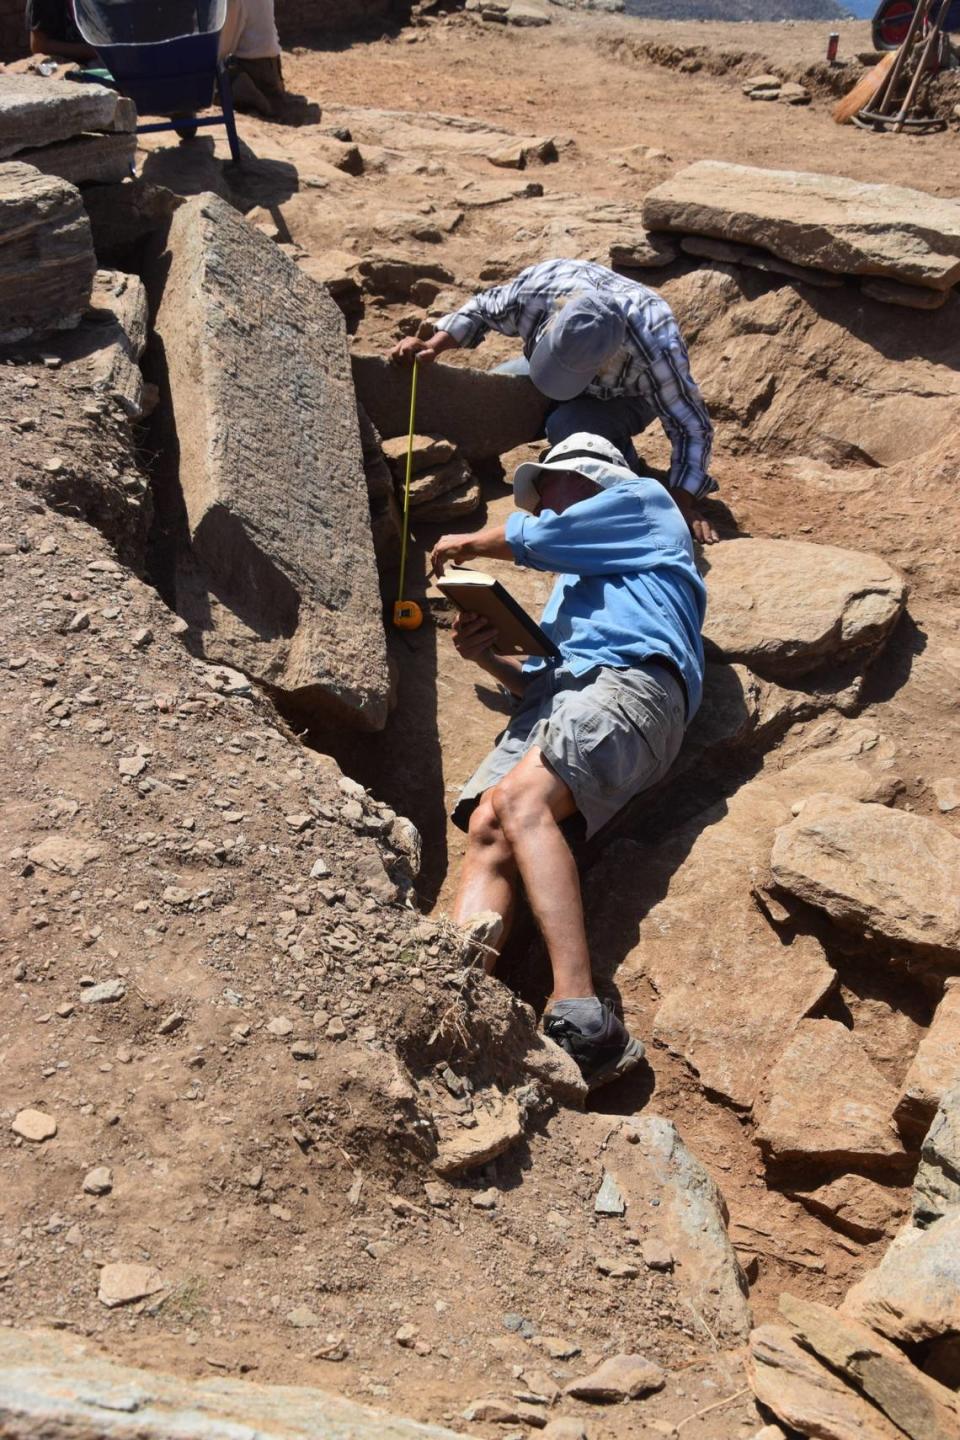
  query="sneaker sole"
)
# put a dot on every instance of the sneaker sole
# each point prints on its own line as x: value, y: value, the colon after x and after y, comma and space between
x: 630, y: 1058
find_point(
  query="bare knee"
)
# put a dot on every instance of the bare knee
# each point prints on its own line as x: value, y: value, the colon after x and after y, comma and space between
x: 516, y: 804
x: 485, y: 830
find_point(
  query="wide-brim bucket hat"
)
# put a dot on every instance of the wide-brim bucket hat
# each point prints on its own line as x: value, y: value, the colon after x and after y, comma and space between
x: 589, y: 455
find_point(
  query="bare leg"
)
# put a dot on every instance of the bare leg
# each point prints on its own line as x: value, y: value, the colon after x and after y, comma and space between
x: 528, y: 804
x: 488, y: 879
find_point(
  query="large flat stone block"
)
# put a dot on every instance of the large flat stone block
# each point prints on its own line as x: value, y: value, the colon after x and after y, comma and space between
x: 482, y: 414
x: 35, y: 111
x: 104, y: 159
x: 270, y: 465
x: 826, y: 221
x: 47, y: 262
x: 55, y: 1385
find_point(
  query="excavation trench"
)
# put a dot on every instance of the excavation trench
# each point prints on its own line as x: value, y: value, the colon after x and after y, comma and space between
x: 810, y: 397
x: 810, y: 424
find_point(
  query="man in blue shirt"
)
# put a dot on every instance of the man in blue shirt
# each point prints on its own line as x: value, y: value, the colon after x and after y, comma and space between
x: 591, y: 730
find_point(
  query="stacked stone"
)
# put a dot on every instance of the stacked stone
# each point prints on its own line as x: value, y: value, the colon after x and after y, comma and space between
x: 82, y: 133
x: 902, y: 245
x: 47, y: 262
x: 443, y: 486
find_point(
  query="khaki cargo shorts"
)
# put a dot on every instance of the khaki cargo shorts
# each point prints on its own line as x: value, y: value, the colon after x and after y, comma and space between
x: 608, y: 734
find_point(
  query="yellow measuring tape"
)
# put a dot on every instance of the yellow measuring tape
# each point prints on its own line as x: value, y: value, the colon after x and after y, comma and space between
x: 407, y: 615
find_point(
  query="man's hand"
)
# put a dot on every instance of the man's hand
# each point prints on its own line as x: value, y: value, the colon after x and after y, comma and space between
x: 423, y: 352
x: 455, y: 549
x: 473, y: 635
x: 700, y: 527
x: 450, y: 550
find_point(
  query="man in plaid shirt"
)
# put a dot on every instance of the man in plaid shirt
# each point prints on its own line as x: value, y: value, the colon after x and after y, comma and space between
x: 607, y: 351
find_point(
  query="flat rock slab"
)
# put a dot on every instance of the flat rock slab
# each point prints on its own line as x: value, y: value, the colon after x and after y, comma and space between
x: 935, y: 1067
x: 785, y: 607
x: 825, y: 1103
x: 36, y: 111
x: 873, y: 868
x: 914, y: 1293
x: 86, y: 159
x: 845, y: 226
x: 270, y: 465
x: 855, y: 1205
x: 63, y: 854
x: 622, y: 1377
x: 429, y: 453
x: 648, y: 1161
x: 936, y: 1188
x: 482, y: 414
x: 122, y: 1284
x: 34, y: 1125
x: 47, y: 263
x: 496, y: 1130
x: 805, y: 1395
x: 54, y: 1385
x: 922, y: 1408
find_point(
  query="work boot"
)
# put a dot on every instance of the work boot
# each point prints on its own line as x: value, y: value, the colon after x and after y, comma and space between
x: 604, y: 1052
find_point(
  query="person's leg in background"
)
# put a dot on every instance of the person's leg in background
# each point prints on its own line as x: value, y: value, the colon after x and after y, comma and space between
x: 616, y: 420
x: 250, y: 44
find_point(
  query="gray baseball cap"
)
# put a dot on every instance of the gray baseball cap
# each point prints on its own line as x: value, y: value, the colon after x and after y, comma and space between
x: 575, y: 344
x: 589, y: 455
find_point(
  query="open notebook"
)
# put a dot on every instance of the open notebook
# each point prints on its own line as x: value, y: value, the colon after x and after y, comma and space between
x: 517, y: 634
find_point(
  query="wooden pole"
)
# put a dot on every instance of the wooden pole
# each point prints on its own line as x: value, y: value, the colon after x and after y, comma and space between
x: 916, y: 19
x: 921, y: 63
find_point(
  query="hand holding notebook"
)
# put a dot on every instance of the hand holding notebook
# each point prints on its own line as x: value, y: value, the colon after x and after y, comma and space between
x: 479, y: 594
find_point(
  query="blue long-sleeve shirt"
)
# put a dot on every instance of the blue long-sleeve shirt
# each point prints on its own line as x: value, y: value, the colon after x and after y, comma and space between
x: 628, y: 589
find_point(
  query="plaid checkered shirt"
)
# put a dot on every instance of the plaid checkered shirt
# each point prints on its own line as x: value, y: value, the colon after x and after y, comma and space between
x: 652, y: 364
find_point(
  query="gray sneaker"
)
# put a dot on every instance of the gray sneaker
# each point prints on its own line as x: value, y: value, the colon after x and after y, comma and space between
x: 603, y: 1055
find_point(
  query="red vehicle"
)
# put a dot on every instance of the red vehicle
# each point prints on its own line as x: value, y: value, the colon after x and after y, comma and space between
x: 892, y: 19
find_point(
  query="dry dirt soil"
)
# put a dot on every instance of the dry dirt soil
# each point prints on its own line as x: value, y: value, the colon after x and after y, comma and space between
x: 265, y: 1184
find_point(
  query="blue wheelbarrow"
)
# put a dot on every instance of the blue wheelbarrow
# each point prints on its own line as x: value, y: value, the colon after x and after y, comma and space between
x: 163, y: 54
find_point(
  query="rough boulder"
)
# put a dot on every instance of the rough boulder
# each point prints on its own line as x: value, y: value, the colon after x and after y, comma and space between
x: 877, y: 869
x: 666, y: 1187
x: 914, y: 1293
x: 784, y: 607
